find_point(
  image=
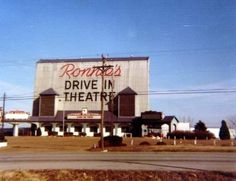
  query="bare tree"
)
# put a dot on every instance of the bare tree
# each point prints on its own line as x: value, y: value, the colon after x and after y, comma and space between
x: 186, y: 119
x: 231, y: 120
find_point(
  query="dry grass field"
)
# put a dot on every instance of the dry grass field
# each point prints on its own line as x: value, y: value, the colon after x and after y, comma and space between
x: 78, y: 144
x: 48, y: 144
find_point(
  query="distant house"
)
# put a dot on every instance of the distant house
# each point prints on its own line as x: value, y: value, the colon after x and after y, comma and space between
x: 14, y: 117
x: 183, y: 126
x: 154, y: 123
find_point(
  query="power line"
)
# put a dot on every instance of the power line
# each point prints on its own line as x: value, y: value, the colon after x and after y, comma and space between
x: 185, y: 93
x: 164, y: 92
x: 147, y: 52
x: 193, y: 90
x: 156, y: 52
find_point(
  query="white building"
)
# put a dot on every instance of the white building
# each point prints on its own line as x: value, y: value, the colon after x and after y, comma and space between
x: 216, y: 132
x: 183, y: 126
x: 17, y: 115
x: 14, y: 118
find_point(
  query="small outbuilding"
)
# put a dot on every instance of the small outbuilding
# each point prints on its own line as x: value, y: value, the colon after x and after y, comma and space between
x: 152, y: 123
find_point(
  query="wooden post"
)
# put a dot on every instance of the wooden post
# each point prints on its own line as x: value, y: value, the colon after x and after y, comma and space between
x: 3, y: 117
x: 102, y: 104
x: 103, y: 69
x: 112, y: 105
x: 174, y: 140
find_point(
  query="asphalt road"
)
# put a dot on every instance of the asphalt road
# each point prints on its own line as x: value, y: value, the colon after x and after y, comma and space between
x: 120, y: 161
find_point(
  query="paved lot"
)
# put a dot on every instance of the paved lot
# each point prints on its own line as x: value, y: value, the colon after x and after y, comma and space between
x: 120, y: 161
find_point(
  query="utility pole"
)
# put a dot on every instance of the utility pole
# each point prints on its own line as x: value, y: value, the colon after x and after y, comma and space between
x: 63, y: 116
x: 3, y: 116
x: 63, y: 120
x: 103, y: 69
x: 112, y: 105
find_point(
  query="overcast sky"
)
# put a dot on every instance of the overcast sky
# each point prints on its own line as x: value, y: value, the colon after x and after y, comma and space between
x: 191, y: 45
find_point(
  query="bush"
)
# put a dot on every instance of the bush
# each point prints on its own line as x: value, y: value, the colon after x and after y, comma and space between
x: 224, y: 131
x: 82, y: 134
x: 161, y: 143
x: 53, y: 133
x: 2, y: 138
x: 144, y: 143
x: 181, y: 134
x: 154, y: 134
x: 191, y: 135
x: 39, y: 132
x: 68, y: 134
x: 204, y: 135
x: 112, y: 141
x: 97, y: 134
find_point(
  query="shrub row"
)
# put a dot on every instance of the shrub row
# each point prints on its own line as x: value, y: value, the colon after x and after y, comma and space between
x: 68, y: 134
x: 145, y: 143
x: 52, y: 133
x: 112, y: 141
x: 191, y: 135
x: 82, y: 134
x: 97, y: 134
x: 154, y: 134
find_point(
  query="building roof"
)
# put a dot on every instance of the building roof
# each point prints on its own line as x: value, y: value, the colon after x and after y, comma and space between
x: 152, y: 115
x: 49, y: 92
x: 92, y: 59
x: 17, y: 112
x: 108, y: 118
x: 159, y: 121
x: 127, y: 91
x: 169, y: 118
